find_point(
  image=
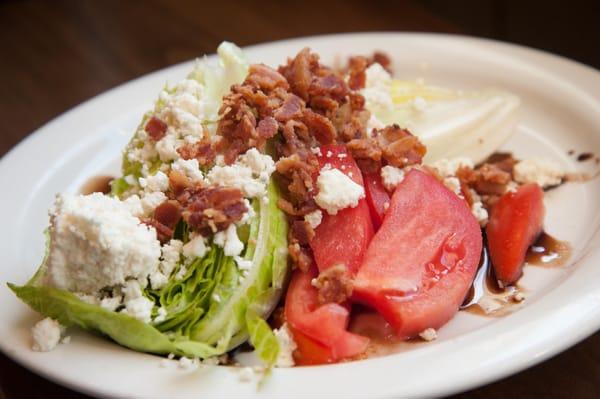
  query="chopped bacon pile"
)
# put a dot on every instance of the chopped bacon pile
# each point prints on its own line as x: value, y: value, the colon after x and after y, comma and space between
x: 309, y: 104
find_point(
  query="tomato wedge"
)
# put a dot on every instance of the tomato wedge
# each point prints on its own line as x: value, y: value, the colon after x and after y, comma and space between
x: 515, y: 222
x: 377, y: 197
x: 323, y: 328
x: 342, y: 238
x: 422, y: 260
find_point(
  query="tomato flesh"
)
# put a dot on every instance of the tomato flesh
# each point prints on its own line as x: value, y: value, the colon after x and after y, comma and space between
x: 342, y: 238
x: 515, y: 222
x: 377, y: 197
x: 421, y: 262
x: 322, y: 328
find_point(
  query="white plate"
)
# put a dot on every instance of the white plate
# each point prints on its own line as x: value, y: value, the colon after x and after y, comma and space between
x: 561, y: 111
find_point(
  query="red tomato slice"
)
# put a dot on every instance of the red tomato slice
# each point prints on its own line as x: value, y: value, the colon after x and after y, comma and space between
x: 377, y: 197
x: 324, y: 325
x: 515, y: 222
x: 309, y: 352
x: 422, y: 260
x: 342, y: 238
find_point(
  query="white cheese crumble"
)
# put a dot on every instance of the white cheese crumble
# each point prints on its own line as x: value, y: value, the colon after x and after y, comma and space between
x: 161, y: 316
x: 229, y: 241
x: 287, y: 346
x: 167, y: 148
x: 454, y: 185
x: 377, y: 91
x: 374, y: 123
x: 314, y: 218
x: 391, y: 176
x: 429, y: 334
x: 46, y: 335
x: 111, y: 303
x: 250, y: 173
x: 151, y: 200
x: 189, y: 168
x: 195, y: 248
x: 96, y: 242
x: 480, y: 213
x: 156, y: 182
x: 186, y: 363
x: 448, y: 167
x: 139, y: 308
x: 170, y: 256
x: 542, y: 172
x: 337, y: 191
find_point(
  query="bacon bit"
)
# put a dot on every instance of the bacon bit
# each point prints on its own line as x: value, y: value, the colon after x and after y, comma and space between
x: 404, y: 152
x: 393, y: 133
x: 319, y: 127
x: 301, y: 256
x: 156, y: 128
x: 213, y: 209
x: 265, y: 78
x: 168, y: 213
x: 292, y: 108
x: 382, y: 59
x: 357, y: 78
x: 302, y: 210
x: 324, y: 104
x: 298, y: 72
x: 301, y: 232
x: 267, y: 128
x: 178, y: 182
x: 202, y: 150
x: 163, y: 233
x: 334, y: 285
x: 503, y: 160
x: 366, y: 152
x: 330, y: 85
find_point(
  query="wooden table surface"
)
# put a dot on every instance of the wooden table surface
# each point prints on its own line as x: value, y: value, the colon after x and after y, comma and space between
x: 56, y: 54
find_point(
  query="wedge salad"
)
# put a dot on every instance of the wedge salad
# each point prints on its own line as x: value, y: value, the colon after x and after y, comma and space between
x: 263, y: 206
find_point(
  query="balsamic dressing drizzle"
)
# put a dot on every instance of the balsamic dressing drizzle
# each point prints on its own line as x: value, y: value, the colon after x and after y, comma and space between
x: 96, y: 184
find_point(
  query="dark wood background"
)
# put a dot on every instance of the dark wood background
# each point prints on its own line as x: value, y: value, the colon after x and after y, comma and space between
x: 56, y: 54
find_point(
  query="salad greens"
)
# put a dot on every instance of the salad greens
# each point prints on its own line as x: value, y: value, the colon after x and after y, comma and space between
x: 211, y: 304
x: 212, y: 309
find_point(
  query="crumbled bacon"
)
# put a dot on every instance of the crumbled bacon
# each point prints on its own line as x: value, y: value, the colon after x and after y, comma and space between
x: 165, y: 218
x: 319, y: 127
x: 292, y: 108
x: 382, y: 59
x: 298, y: 72
x: 366, y: 153
x: 168, y: 213
x: 202, y: 150
x: 403, y: 152
x: 357, y: 78
x: 302, y: 232
x: 212, y: 209
x: 265, y: 78
x: 178, y: 182
x: 163, y: 233
x: 156, y: 128
x: 301, y: 256
x: 334, y: 285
